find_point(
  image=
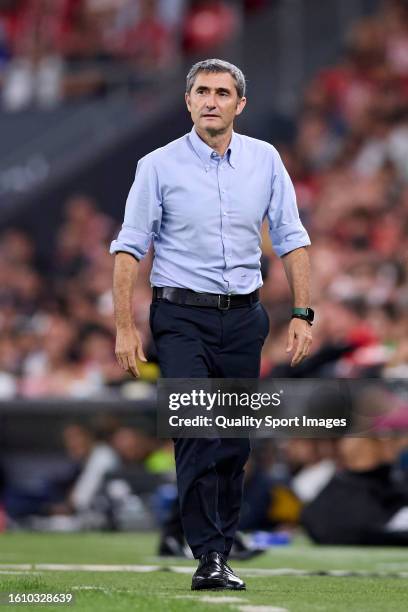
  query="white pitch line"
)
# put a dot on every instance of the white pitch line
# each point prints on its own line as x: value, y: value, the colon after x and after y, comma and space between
x: 250, y: 572
x: 177, y: 569
x: 87, y: 567
x: 86, y: 587
x: 182, y: 569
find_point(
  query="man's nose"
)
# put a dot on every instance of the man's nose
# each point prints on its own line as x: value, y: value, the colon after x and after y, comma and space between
x: 210, y: 102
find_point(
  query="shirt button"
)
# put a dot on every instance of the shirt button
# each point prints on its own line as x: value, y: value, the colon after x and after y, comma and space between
x: 207, y: 168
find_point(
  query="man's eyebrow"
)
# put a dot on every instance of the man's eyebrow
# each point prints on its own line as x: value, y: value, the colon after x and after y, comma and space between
x: 218, y: 90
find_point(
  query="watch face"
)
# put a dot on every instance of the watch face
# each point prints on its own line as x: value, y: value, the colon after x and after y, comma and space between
x: 310, y: 314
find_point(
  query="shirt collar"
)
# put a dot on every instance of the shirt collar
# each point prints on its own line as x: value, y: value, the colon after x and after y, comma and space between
x: 204, y: 151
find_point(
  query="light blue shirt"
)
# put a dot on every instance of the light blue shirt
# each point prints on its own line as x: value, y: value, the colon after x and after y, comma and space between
x: 204, y: 213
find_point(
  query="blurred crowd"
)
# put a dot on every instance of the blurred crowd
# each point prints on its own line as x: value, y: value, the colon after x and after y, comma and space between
x: 57, y: 329
x: 110, y: 475
x: 349, y: 163
x: 348, y: 160
x: 118, y: 477
x: 52, y: 50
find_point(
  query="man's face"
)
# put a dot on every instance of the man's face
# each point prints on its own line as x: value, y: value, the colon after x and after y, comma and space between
x: 213, y: 102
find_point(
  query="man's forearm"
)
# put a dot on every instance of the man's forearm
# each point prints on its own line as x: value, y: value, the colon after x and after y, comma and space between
x: 125, y: 273
x: 297, y: 268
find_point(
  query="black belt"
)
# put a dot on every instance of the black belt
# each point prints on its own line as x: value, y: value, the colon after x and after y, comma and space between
x: 205, y: 300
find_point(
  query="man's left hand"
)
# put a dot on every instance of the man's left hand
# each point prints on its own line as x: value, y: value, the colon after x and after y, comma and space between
x: 300, y: 337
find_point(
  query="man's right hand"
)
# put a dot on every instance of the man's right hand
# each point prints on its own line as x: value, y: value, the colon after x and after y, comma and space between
x: 128, y: 346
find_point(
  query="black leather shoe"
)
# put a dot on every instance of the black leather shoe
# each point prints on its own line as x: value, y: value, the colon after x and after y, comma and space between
x: 239, y: 585
x: 213, y: 573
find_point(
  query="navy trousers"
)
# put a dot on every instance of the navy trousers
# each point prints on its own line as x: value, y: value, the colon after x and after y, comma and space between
x: 194, y: 342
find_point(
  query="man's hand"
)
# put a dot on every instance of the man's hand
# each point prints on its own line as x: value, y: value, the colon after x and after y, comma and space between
x: 128, y: 345
x: 299, y: 336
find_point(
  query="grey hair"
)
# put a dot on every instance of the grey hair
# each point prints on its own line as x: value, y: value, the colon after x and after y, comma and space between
x: 217, y: 65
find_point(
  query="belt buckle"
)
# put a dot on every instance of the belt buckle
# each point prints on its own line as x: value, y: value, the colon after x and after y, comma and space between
x: 228, y: 303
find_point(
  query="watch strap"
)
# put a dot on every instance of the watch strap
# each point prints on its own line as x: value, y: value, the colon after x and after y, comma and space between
x: 300, y: 311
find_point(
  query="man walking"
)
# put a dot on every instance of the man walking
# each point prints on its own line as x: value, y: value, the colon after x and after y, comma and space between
x: 202, y: 199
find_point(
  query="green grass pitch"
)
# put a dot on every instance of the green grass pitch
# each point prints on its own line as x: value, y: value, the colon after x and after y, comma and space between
x: 379, y: 583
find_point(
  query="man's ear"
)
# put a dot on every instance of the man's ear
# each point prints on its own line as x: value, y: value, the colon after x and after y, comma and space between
x: 187, y: 99
x: 240, y: 106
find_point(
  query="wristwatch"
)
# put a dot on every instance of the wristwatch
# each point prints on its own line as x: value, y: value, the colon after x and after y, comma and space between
x: 307, y: 314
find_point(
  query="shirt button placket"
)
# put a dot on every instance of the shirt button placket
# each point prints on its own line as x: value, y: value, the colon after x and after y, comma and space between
x: 226, y: 233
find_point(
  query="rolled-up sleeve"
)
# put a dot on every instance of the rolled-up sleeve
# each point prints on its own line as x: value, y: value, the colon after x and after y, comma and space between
x: 143, y: 212
x: 285, y: 227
